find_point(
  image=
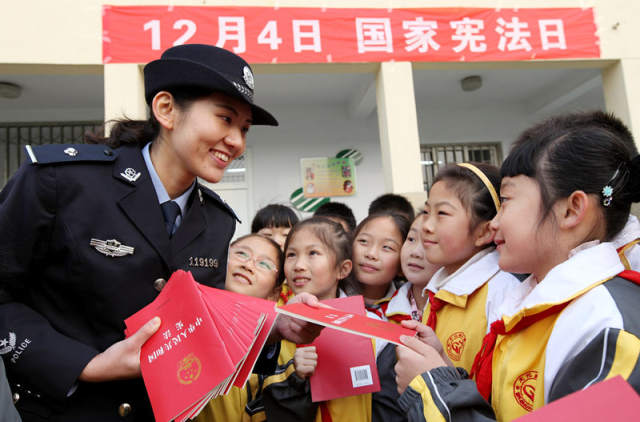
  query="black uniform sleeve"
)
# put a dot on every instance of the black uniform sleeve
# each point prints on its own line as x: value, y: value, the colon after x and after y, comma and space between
x: 8, y: 411
x: 445, y: 394
x: 33, y: 350
x: 287, y: 397
x: 612, y: 352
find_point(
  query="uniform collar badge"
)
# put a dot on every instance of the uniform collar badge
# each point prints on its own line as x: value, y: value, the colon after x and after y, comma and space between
x: 200, y: 196
x: 71, y: 152
x: 111, y: 247
x: 130, y: 174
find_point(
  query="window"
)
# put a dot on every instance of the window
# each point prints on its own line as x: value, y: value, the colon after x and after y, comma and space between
x: 434, y: 156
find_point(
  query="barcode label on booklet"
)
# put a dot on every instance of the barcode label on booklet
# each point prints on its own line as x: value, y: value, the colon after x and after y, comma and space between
x: 361, y: 376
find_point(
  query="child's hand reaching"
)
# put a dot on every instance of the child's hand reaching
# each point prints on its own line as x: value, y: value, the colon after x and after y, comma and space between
x: 305, y: 361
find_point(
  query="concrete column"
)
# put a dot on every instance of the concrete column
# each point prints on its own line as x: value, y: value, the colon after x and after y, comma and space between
x: 622, y: 97
x: 124, y: 92
x: 398, y: 125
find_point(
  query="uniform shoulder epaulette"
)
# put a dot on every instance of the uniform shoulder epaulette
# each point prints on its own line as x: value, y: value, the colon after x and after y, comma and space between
x: 211, y: 194
x: 69, y: 153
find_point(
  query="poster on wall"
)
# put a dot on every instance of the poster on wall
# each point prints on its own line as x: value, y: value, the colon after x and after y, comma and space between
x: 328, y: 177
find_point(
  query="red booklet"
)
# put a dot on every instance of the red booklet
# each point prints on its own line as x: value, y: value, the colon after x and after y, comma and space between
x: 349, y: 322
x: 346, y: 363
x: 208, y: 339
x: 610, y: 400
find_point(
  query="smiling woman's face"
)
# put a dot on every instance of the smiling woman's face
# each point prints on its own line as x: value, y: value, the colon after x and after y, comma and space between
x: 208, y: 134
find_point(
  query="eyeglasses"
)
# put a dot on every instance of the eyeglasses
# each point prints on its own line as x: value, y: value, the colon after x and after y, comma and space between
x: 260, y: 263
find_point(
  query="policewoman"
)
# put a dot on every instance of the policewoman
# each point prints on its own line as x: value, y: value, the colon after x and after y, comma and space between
x: 89, y: 234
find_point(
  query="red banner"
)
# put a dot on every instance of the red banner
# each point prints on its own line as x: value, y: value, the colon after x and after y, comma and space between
x: 138, y: 34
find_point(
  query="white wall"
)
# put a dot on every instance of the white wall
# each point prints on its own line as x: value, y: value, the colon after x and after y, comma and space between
x: 313, y: 131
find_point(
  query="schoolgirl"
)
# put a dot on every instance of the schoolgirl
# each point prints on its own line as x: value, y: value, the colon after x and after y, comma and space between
x: 406, y: 303
x: 317, y: 261
x: 456, y: 235
x: 376, y: 258
x: 274, y: 221
x: 567, y: 189
x: 410, y: 299
x: 254, y: 268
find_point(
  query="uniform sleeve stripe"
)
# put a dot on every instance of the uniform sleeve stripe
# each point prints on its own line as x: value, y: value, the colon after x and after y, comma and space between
x: 605, y: 344
x: 436, y: 412
x: 626, y: 357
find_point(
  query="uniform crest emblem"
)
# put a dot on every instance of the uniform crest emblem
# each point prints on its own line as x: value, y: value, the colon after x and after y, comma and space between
x: 455, y: 345
x: 248, y: 77
x: 71, y: 152
x: 7, y: 345
x: 111, y: 247
x: 189, y: 369
x: 130, y: 174
x: 524, y: 389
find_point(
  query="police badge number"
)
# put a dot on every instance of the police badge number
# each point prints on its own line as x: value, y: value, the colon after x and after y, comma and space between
x: 111, y: 247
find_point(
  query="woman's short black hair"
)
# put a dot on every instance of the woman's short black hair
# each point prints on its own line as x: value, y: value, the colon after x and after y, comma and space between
x: 580, y: 151
x: 273, y: 215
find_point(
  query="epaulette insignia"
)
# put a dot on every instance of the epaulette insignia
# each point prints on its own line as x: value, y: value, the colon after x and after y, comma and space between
x: 66, y: 153
x: 216, y: 197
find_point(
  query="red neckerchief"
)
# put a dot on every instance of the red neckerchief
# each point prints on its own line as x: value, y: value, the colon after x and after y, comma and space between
x: 482, y: 364
x: 380, y: 308
x: 435, y: 305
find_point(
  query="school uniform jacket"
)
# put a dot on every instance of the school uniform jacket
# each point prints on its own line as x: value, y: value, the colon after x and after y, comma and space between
x: 62, y: 300
x: 627, y: 242
x: 384, y: 405
x: 593, y: 338
x: 287, y: 397
x: 239, y: 405
x: 470, y: 294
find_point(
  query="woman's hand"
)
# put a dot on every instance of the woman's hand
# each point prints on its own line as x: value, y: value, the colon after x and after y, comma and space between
x: 305, y: 361
x: 122, y: 359
x: 297, y: 330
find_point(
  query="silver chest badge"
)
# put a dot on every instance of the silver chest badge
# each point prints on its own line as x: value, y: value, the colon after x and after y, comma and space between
x: 71, y: 152
x: 111, y: 247
x: 130, y: 174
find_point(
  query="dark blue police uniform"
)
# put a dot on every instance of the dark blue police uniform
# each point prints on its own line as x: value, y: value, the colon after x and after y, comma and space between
x: 83, y: 246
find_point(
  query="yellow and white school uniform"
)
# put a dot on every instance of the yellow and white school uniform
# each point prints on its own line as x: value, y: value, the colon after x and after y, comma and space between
x: 402, y: 307
x: 466, y: 299
x: 239, y: 405
x: 384, y: 404
x: 626, y: 242
x: 287, y: 397
x: 578, y: 326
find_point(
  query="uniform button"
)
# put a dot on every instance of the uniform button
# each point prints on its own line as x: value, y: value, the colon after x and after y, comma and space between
x: 159, y: 284
x: 108, y: 152
x: 16, y: 397
x: 124, y: 409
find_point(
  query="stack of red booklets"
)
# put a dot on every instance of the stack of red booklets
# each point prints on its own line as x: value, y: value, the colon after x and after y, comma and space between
x: 209, y: 340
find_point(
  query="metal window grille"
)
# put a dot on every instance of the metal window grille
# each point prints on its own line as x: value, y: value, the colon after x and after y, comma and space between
x: 14, y: 136
x: 236, y: 172
x: 435, y: 156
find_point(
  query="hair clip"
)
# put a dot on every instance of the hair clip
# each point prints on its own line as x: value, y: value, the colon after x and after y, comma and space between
x: 607, y: 191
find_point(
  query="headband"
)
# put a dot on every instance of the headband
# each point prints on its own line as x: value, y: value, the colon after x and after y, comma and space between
x: 486, y: 181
